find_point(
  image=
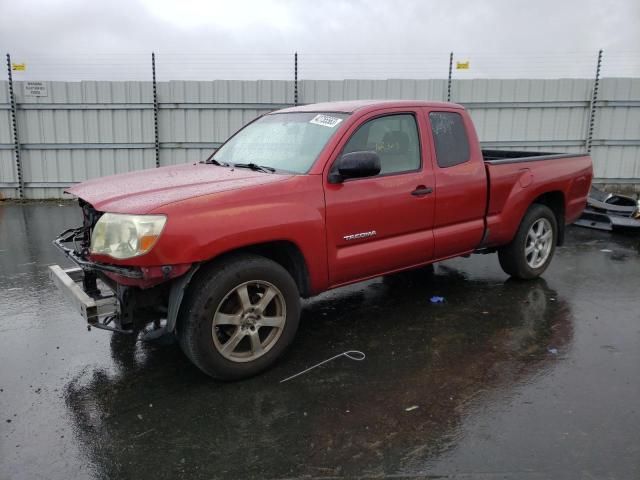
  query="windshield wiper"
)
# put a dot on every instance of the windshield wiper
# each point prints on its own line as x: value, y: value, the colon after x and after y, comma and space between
x: 213, y: 161
x: 256, y: 167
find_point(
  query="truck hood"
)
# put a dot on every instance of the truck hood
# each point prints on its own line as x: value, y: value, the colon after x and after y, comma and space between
x: 143, y: 191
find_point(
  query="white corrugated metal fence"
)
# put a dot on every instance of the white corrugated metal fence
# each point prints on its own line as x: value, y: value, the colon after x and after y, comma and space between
x: 82, y: 130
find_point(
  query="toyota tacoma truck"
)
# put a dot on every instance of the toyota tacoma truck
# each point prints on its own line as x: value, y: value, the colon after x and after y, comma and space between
x: 299, y: 201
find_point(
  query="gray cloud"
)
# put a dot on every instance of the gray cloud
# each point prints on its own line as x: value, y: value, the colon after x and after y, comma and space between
x: 490, y: 31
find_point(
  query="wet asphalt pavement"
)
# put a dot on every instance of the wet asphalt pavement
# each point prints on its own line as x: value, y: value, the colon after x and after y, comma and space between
x: 525, y: 380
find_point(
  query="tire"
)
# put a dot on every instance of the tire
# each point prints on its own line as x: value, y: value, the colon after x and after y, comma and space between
x: 528, y: 255
x: 231, y: 291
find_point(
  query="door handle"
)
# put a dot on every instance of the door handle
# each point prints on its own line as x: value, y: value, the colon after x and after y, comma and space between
x: 421, y: 191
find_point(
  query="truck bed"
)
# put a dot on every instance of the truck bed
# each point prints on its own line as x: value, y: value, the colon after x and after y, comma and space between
x: 515, y: 178
x: 515, y: 156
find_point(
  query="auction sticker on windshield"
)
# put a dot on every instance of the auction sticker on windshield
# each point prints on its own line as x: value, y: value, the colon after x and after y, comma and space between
x: 325, y: 120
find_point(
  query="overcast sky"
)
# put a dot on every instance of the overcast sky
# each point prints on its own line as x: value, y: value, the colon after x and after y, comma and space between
x: 506, y: 36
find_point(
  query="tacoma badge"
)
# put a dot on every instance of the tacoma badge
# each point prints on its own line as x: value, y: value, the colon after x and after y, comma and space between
x: 356, y: 236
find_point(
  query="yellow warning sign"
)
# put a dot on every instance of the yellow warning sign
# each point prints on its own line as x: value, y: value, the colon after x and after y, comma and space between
x: 18, y: 67
x: 462, y: 65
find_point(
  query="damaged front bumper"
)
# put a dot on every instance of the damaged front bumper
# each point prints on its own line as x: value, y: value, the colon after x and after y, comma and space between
x: 120, y: 298
x: 94, y: 296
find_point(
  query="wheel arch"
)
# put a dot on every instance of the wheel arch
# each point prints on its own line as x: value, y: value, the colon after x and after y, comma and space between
x: 555, y: 201
x: 284, y: 252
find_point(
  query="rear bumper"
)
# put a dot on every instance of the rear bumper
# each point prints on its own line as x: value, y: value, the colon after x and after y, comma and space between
x: 94, y: 309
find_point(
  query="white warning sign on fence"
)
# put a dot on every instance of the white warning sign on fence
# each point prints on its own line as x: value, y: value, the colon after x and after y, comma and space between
x: 35, y: 89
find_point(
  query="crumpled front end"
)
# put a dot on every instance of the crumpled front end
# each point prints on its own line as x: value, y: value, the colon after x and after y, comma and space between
x: 111, y: 296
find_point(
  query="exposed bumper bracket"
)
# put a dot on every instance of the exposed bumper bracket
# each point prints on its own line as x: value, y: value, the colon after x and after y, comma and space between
x: 93, y: 309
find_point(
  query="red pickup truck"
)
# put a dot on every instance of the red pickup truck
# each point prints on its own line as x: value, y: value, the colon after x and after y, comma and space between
x: 300, y: 201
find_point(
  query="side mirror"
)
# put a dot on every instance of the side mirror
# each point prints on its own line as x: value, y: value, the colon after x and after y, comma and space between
x: 355, y: 165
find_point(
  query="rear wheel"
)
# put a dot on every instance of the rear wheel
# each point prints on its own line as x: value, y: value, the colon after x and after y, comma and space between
x: 531, y: 251
x: 239, y: 316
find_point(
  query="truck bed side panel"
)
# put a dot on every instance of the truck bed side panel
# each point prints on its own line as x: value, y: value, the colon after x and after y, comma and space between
x: 515, y: 186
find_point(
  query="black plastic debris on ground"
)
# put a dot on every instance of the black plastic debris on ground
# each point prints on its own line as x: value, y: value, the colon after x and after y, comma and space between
x: 609, y: 211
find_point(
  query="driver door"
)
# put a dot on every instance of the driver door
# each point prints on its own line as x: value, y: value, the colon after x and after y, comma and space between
x: 382, y: 223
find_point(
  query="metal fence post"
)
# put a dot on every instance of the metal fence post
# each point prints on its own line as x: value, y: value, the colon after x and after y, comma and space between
x: 594, y: 99
x: 449, y: 79
x: 14, y: 123
x: 155, y: 109
x: 295, y: 78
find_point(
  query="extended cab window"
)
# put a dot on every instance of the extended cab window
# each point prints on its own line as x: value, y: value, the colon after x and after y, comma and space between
x: 394, y: 138
x: 450, y: 138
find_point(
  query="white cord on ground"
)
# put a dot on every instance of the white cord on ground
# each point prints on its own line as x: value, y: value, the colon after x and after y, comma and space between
x: 350, y: 354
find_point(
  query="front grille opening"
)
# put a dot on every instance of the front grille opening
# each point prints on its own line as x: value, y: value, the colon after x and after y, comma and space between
x: 90, y: 217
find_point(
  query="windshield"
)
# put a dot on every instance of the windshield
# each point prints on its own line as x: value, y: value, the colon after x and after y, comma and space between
x: 284, y: 141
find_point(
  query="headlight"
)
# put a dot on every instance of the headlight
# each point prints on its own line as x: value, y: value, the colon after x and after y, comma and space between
x: 125, y: 236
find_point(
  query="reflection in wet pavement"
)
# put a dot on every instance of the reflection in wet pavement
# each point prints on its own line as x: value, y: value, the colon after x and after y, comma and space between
x: 516, y: 380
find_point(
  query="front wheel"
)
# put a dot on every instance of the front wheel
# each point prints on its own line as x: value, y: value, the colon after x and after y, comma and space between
x: 531, y: 251
x: 239, y: 316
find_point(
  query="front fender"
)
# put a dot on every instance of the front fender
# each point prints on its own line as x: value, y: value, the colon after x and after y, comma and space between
x: 203, y: 228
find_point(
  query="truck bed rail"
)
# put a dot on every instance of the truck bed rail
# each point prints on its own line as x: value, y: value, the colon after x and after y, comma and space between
x: 498, y: 157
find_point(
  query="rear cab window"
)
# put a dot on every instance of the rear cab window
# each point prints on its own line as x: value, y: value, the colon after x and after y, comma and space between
x: 450, y: 138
